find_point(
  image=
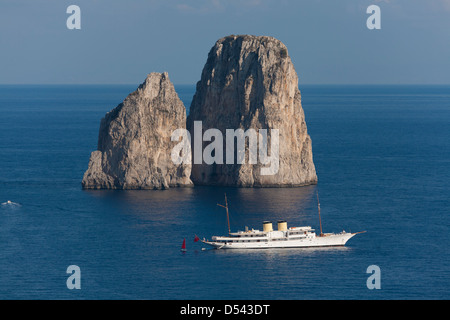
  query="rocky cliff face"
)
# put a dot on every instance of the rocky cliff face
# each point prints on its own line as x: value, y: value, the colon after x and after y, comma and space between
x: 250, y: 82
x: 134, y: 143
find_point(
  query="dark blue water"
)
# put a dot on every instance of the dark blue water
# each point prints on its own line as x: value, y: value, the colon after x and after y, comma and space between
x: 382, y: 156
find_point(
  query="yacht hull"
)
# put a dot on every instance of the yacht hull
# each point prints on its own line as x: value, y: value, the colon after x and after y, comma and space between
x: 330, y: 240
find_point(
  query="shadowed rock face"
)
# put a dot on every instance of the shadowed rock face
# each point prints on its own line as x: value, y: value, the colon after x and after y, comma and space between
x: 134, y: 143
x: 250, y: 82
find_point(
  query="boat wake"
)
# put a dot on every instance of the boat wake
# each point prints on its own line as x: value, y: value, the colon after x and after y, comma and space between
x: 11, y: 204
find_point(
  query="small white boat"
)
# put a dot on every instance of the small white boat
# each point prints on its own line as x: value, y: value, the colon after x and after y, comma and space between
x: 284, y: 237
x: 11, y: 204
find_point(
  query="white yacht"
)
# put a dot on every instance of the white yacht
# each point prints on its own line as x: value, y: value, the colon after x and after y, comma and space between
x: 284, y: 237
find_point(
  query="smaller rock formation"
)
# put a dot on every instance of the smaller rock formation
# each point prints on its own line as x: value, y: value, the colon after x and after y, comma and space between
x: 134, y: 142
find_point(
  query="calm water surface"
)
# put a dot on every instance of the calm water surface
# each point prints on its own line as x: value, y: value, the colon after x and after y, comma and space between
x: 382, y: 155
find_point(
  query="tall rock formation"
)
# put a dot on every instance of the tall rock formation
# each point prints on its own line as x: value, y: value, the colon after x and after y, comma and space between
x: 249, y: 82
x: 134, y: 142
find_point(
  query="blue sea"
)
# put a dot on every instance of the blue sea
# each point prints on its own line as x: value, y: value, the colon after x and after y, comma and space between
x: 382, y: 155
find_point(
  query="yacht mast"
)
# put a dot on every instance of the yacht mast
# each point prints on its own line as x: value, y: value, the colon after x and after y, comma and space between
x: 228, y: 217
x: 320, y: 220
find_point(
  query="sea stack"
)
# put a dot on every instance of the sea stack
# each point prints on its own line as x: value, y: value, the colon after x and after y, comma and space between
x: 249, y: 82
x: 134, y: 142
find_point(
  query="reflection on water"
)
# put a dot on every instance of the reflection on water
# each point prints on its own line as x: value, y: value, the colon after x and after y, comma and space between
x: 246, y: 205
x: 276, y: 253
x: 277, y: 256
